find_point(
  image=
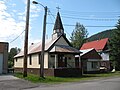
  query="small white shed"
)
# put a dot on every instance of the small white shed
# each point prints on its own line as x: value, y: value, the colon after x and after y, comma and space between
x: 90, y: 60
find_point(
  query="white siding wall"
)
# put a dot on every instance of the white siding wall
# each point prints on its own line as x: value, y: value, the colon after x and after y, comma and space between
x: 35, y: 61
x: 18, y: 62
x: 105, y: 56
x: 46, y: 60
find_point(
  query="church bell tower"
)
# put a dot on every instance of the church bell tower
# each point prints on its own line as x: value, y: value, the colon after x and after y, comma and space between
x: 58, y: 27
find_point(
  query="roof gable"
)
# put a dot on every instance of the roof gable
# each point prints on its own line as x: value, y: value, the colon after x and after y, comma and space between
x: 89, y: 54
x: 98, y: 44
x: 57, y: 41
x: 49, y: 44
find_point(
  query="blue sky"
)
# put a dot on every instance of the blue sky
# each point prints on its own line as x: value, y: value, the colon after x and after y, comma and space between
x: 86, y: 12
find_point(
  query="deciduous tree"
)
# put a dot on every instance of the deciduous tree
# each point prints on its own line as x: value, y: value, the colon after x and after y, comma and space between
x: 11, y: 54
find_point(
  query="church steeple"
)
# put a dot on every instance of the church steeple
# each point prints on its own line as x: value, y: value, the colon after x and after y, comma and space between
x: 58, y: 27
x: 58, y: 23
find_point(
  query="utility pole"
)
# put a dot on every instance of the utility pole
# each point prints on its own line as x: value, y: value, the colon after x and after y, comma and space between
x: 43, y: 44
x: 26, y: 40
x: 43, y: 40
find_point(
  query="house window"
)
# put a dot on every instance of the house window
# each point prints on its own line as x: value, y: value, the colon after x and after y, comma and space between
x: 16, y: 59
x: 69, y: 58
x: 39, y: 58
x: 65, y: 61
x: 52, y: 56
x: 94, y: 64
x: 30, y: 60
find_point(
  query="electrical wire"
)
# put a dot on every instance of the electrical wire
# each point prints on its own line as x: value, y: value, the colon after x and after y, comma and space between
x: 95, y: 19
x: 88, y: 13
x: 85, y: 26
x: 50, y: 14
x: 17, y: 36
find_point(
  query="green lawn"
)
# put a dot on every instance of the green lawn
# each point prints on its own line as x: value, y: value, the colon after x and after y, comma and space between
x: 37, y: 79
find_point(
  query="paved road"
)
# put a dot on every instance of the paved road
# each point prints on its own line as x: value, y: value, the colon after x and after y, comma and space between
x: 106, y: 84
x: 9, y: 82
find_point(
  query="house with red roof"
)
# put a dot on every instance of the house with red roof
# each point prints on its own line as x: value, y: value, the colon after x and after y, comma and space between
x: 101, y: 46
x: 59, y: 58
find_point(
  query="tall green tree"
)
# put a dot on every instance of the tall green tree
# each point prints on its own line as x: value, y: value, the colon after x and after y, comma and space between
x: 115, y: 47
x: 11, y: 54
x: 78, y: 36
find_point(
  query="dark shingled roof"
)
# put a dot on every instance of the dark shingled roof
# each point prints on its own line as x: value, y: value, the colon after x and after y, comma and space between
x: 58, y: 23
x: 64, y: 49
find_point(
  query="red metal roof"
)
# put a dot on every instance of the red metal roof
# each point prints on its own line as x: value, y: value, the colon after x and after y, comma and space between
x: 98, y: 44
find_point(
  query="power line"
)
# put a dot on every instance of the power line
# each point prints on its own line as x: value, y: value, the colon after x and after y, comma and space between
x: 73, y: 11
x: 98, y: 13
x: 95, y: 19
x: 50, y: 14
x: 17, y: 36
x: 91, y: 14
x: 85, y: 26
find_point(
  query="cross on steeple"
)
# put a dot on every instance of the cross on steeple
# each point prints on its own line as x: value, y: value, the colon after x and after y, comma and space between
x: 58, y: 8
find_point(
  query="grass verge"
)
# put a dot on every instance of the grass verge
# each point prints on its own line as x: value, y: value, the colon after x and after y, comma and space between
x: 52, y: 80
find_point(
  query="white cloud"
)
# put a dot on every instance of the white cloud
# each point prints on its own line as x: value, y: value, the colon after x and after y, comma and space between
x: 12, y: 22
x: 8, y: 25
x: 2, y: 6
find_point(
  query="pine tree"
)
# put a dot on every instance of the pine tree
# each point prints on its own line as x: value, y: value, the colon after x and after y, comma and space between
x: 115, y: 47
x: 78, y: 36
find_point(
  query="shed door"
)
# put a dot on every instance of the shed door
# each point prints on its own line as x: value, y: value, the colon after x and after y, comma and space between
x: 1, y: 63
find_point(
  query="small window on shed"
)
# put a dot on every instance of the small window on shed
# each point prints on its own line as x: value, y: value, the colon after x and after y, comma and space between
x: 94, y: 64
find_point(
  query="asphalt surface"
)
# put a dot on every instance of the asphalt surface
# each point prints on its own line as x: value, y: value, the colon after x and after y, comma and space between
x: 103, y: 84
x: 9, y: 82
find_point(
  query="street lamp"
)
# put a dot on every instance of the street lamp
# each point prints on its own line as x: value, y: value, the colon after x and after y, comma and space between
x: 43, y: 40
